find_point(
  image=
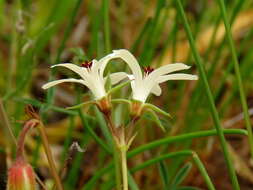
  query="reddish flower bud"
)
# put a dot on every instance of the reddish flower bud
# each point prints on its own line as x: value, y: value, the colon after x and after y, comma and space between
x: 21, y: 176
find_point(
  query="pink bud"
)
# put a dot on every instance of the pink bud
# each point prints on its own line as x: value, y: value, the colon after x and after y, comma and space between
x: 21, y: 176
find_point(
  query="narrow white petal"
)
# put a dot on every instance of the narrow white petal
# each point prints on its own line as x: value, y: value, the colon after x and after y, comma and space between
x: 156, y: 90
x: 56, y: 82
x: 178, y: 76
x: 131, y: 61
x: 95, y: 66
x: 117, y: 77
x: 167, y: 69
x: 79, y: 70
x: 102, y: 63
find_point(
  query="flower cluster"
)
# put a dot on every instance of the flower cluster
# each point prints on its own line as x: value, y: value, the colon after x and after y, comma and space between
x: 143, y: 83
x: 92, y: 76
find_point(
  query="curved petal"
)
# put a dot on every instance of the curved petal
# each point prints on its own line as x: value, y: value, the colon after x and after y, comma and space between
x: 117, y: 77
x: 167, y: 69
x: 102, y: 63
x: 56, y: 82
x: 95, y: 65
x: 156, y: 90
x: 178, y: 76
x: 131, y: 62
x: 79, y: 70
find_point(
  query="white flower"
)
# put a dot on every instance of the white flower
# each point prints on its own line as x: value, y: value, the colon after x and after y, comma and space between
x: 143, y: 85
x: 92, y: 75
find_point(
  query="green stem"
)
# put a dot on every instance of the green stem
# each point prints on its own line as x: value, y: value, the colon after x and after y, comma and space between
x: 106, y: 25
x: 124, y: 168
x: 214, y: 112
x: 50, y: 158
x: 181, y: 138
x: 203, y: 171
x: 237, y: 74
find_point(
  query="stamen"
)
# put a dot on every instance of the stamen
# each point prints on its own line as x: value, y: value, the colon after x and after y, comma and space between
x: 86, y: 64
x: 148, y: 70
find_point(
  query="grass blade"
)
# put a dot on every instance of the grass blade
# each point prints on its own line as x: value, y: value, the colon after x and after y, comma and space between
x: 214, y: 112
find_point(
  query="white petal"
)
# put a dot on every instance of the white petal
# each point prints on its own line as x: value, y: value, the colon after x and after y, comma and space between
x: 177, y: 77
x: 95, y: 66
x: 53, y: 83
x: 79, y: 70
x: 131, y: 61
x: 102, y: 63
x: 117, y: 77
x: 167, y: 69
x: 156, y: 90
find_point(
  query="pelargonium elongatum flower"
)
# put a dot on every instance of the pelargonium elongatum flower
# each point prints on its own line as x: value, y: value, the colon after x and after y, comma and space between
x: 148, y: 83
x: 144, y: 84
x: 92, y: 75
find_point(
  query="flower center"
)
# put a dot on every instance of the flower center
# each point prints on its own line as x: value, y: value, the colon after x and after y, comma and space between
x: 86, y: 64
x: 148, y: 70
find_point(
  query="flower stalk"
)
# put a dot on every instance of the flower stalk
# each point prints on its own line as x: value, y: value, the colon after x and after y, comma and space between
x: 49, y: 155
x: 36, y: 118
x: 123, y: 152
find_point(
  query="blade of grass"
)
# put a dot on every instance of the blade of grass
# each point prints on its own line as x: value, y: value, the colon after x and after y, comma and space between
x: 163, y: 171
x: 237, y: 74
x: 132, y: 182
x: 213, y: 110
x: 179, y: 154
x: 106, y: 5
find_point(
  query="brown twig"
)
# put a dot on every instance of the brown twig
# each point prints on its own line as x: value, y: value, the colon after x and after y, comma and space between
x: 49, y: 155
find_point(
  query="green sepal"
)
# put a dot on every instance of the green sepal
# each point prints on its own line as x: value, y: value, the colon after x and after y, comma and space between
x: 118, y: 87
x: 156, y: 119
x: 121, y: 100
x: 81, y: 105
x: 156, y: 109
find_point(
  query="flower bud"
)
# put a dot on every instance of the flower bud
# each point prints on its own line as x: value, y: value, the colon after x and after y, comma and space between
x: 21, y: 176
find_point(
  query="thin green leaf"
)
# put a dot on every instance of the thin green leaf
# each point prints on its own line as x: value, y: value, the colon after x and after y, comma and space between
x: 156, y: 119
x: 187, y: 188
x: 132, y: 182
x: 163, y: 171
x: 181, y: 174
x: 213, y: 109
